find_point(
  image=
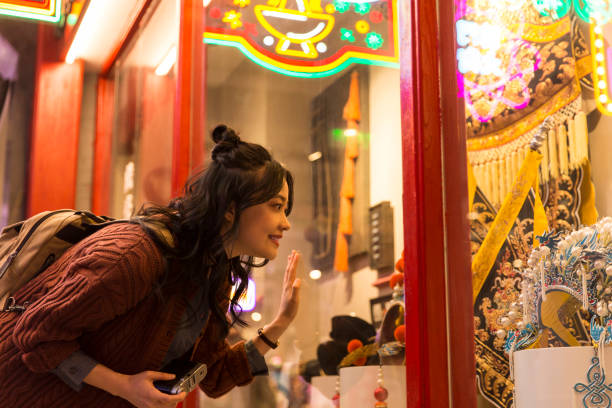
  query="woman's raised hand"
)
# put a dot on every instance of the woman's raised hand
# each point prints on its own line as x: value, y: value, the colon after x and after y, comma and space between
x: 290, y: 295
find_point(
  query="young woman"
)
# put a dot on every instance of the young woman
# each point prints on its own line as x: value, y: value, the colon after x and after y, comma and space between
x: 116, y: 307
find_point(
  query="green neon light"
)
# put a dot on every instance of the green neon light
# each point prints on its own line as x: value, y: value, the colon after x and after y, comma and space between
x: 584, y: 8
x: 339, y: 136
x: 341, y: 6
x: 33, y: 16
x: 347, y: 35
x: 555, y: 8
x: 362, y: 8
x: 374, y: 40
x: 344, y: 65
x: 72, y: 19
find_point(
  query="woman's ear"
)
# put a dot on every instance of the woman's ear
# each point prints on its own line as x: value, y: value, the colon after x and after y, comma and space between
x: 230, y: 214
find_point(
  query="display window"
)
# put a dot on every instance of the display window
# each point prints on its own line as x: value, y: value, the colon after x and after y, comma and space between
x: 533, y: 78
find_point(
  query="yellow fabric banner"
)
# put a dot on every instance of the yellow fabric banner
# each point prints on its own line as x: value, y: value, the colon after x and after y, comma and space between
x: 471, y: 185
x: 501, y: 226
x: 540, y: 223
x: 588, y: 212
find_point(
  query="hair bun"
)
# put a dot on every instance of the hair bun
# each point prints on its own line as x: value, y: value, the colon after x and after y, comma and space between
x: 226, y: 142
x: 222, y: 133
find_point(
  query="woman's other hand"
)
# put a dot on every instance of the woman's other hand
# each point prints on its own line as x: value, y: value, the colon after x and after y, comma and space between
x: 138, y: 389
x: 142, y: 393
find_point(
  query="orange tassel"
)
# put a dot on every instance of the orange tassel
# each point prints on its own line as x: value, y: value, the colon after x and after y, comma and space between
x: 348, y: 180
x: 352, y: 146
x: 351, y: 109
x: 346, y: 216
x: 341, y: 254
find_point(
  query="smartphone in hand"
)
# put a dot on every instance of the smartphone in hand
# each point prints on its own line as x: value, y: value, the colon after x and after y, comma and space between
x: 188, y: 376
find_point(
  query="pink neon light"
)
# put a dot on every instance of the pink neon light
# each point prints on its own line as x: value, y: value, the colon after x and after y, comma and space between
x: 496, y: 89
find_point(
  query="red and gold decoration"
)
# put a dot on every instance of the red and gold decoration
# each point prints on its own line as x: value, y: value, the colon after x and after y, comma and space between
x: 519, y: 63
x: 306, y: 38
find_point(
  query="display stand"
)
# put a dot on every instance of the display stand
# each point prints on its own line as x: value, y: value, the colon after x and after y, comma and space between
x: 322, y: 391
x: 357, y: 385
x: 545, y: 377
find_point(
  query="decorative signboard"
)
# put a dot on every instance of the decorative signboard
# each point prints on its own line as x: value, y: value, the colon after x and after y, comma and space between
x: 44, y: 10
x: 307, y: 38
x: 598, y: 13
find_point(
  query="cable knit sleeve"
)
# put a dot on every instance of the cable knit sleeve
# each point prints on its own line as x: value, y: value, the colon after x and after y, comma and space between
x: 227, y: 367
x: 104, y: 278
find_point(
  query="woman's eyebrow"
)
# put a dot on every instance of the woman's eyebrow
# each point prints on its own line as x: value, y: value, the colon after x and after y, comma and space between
x: 284, y: 199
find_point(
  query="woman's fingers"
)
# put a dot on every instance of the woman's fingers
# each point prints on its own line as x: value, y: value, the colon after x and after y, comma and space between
x: 158, y: 375
x: 291, y: 270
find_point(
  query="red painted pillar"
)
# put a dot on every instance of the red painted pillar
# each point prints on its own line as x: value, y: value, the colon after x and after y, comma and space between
x: 439, y: 338
x: 189, y: 114
x: 100, y: 194
x: 55, y: 128
x: 189, y: 111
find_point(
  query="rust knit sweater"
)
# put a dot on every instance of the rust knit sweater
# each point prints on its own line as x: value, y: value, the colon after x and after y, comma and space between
x: 98, y: 298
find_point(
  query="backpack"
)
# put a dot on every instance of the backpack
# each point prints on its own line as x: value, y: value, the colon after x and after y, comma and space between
x: 29, y: 247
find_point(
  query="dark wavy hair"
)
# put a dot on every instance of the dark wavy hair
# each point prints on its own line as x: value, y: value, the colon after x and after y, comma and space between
x: 240, y: 175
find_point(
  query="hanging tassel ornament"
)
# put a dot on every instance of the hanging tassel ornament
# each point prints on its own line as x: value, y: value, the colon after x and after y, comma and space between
x: 336, y: 397
x: 601, y: 347
x: 542, y: 280
x: 585, y: 296
x: 380, y: 393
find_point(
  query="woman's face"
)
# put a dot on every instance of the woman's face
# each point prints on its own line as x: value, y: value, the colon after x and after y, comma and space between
x: 261, y: 227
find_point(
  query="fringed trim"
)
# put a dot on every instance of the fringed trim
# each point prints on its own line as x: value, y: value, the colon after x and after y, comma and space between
x: 566, y: 149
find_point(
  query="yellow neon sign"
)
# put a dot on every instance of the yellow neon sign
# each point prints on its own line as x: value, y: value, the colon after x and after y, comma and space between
x: 48, y: 10
x: 307, y: 38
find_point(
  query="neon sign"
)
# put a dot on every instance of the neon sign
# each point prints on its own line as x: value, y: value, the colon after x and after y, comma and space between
x: 44, y: 10
x: 601, y: 51
x: 248, y: 299
x: 491, y: 59
x: 585, y: 9
x: 307, y: 38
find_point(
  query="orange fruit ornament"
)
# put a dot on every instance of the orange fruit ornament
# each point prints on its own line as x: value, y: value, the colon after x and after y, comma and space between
x: 354, y: 345
x: 399, y: 265
x: 400, y: 333
x: 396, y: 278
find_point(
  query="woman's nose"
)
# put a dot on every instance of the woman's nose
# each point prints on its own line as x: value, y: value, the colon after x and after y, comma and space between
x: 286, y: 224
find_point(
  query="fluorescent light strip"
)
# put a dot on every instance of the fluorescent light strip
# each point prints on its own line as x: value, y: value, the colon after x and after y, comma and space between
x: 95, y: 12
x: 167, y: 62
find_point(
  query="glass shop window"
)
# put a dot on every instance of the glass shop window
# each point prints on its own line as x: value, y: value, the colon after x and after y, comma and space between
x: 144, y: 105
x: 535, y: 80
x: 276, y: 75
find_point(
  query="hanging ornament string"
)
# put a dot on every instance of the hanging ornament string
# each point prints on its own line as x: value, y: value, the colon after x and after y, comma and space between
x: 542, y: 279
x: 380, y: 393
x: 585, y: 296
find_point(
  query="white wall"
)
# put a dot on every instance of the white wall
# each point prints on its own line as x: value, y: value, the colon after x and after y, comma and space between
x: 600, y: 147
